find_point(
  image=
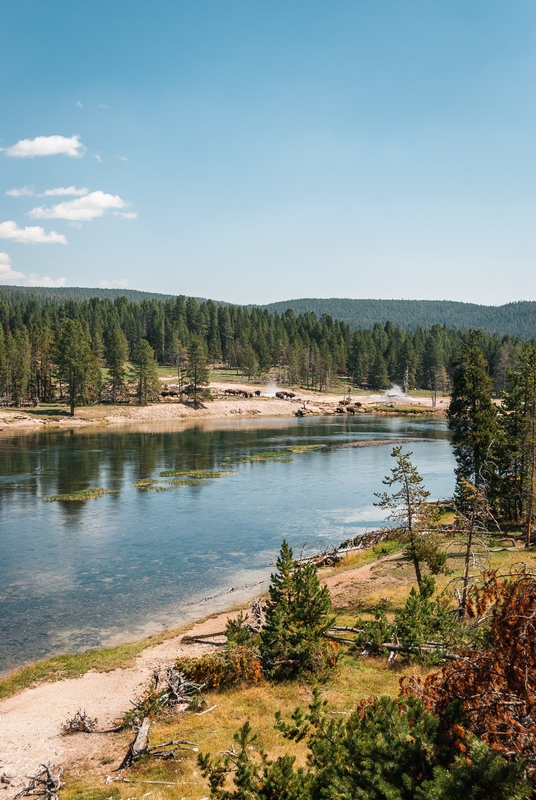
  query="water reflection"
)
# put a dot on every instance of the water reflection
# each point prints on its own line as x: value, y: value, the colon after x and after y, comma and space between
x: 78, y: 574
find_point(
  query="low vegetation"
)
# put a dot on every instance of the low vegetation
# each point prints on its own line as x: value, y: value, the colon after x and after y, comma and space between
x: 83, y: 494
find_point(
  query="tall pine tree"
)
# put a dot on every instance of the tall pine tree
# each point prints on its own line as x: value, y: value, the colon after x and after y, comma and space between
x: 472, y: 415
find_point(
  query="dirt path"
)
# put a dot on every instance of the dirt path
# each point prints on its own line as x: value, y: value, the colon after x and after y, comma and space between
x: 30, y: 721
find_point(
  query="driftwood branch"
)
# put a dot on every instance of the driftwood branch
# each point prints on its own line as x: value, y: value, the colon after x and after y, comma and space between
x: 45, y: 783
x: 82, y: 723
x: 140, y: 747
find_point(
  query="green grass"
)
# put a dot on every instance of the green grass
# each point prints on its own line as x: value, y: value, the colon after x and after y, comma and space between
x: 77, y: 664
x: 84, y: 494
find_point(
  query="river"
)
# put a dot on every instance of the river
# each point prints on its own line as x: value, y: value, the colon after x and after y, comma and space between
x: 76, y: 575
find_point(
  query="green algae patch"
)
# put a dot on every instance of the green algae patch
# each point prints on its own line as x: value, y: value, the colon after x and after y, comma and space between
x: 143, y: 484
x: 186, y: 482
x: 305, y: 448
x: 73, y: 497
x: 200, y: 474
x: 271, y: 455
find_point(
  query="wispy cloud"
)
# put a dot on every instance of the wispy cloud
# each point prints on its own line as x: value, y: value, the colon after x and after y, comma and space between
x: 46, y: 146
x: 79, y: 104
x: 122, y: 158
x: 43, y: 280
x: 115, y: 284
x: 6, y: 273
x: 9, y: 275
x: 99, y: 159
x: 68, y: 190
x: 29, y: 235
x: 126, y: 214
x: 83, y: 209
x: 23, y: 191
x: 26, y: 191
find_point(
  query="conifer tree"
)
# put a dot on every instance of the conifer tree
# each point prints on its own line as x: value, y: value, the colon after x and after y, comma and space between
x: 410, y: 510
x: 197, y: 371
x: 297, y: 616
x: 472, y: 415
x: 116, y: 355
x: 518, y: 450
x: 76, y: 364
x: 145, y: 372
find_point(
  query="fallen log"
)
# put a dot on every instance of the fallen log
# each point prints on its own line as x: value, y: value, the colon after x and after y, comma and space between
x: 138, y: 747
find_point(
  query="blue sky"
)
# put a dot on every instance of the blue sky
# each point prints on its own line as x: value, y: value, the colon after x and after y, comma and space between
x: 258, y: 150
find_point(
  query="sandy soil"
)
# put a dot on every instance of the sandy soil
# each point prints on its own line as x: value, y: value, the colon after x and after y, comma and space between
x: 172, y: 412
x: 30, y: 722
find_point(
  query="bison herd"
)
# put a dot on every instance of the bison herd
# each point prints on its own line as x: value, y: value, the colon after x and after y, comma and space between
x: 242, y: 393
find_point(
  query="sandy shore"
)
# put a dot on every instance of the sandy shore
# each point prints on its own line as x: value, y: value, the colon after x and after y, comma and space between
x: 30, y: 721
x: 170, y: 411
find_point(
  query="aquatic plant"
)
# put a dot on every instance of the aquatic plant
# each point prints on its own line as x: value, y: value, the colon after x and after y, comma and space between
x: 84, y: 494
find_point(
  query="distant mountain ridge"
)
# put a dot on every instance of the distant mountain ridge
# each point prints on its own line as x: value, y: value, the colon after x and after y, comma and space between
x: 512, y: 319
x: 81, y: 293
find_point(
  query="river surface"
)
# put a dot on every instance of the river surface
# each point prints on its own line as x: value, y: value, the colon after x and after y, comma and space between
x: 75, y: 575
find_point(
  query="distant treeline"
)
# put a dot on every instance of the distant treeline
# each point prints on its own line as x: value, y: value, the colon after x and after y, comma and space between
x: 512, y: 319
x: 304, y: 349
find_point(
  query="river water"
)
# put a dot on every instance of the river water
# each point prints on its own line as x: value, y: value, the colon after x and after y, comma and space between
x: 75, y: 575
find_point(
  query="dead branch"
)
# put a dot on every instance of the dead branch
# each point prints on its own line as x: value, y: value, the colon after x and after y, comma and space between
x: 82, y: 723
x: 206, y: 711
x: 140, y: 747
x: 45, y: 783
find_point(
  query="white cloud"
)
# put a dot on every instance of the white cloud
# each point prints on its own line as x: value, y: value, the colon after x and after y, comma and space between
x: 24, y: 191
x: 126, y: 214
x: 68, y: 190
x: 103, y: 105
x: 113, y: 284
x: 47, y: 146
x: 122, y: 158
x: 99, y: 159
x: 43, y: 280
x: 7, y: 274
x: 82, y: 209
x: 79, y: 104
x: 29, y: 235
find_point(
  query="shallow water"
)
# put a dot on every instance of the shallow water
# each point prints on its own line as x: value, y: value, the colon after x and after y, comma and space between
x: 82, y: 574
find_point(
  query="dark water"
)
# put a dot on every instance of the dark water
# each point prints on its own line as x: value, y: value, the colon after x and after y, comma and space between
x: 78, y: 575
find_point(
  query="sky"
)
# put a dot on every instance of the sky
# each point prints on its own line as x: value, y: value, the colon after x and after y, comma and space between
x: 262, y: 150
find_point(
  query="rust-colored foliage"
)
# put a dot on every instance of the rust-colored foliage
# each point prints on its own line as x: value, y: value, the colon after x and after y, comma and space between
x: 494, y: 687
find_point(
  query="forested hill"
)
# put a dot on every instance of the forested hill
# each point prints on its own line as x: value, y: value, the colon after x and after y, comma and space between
x: 513, y: 319
x: 78, y: 294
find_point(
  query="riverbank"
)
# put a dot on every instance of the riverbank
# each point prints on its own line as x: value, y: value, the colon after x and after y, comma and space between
x: 31, y: 719
x: 223, y: 406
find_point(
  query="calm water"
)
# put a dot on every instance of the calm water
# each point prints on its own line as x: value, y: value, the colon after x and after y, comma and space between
x: 78, y: 575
